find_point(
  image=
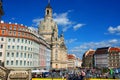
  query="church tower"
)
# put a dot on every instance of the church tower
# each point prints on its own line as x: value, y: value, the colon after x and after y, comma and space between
x: 48, y: 11
x: 47, y: 26
x: 49, y: 30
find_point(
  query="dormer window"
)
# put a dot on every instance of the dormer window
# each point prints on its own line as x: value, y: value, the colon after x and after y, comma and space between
x: 14, y: 27
x: 10, y: 27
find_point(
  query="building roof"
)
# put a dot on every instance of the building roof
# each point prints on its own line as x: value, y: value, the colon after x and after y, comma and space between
x: 116, y: 49
x: 103, y: 50
x: 48, y: 6
x: 89, y: 52
x: 71, y: 56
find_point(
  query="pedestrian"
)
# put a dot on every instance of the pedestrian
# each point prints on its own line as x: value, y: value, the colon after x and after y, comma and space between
x: 79, y: 76
x: 83, y: 75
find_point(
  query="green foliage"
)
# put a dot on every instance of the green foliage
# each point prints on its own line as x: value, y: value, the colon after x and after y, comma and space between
x: 105, y: 70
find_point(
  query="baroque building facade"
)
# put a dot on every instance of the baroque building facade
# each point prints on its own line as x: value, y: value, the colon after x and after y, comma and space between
x: 107, y: 57
x: 49, y: 30
x: 22, y: 49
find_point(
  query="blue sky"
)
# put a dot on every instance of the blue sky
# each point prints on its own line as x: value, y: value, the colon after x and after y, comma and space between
x: 87, y: 24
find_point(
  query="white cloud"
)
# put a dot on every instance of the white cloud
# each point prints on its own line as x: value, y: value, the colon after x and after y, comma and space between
x: 13, y: 18
x: 113, y: 41
x: 33, y: 28
x: 70, y: 41
x: 76, y: 27
x: 79, y: 50
x: 62, y: 20
x: 36, y: 21
x: 114, y: 30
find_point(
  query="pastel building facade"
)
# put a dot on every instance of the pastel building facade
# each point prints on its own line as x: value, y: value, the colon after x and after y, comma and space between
x: 71, y: 61
x: 107, y: 57
x: 114, y: 57
x: 101, y: 57
x: 20, y: 47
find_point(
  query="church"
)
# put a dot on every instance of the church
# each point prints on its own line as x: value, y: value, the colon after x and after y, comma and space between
x: 49, y: 30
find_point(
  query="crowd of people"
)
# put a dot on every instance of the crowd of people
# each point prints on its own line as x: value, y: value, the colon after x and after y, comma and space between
x: 80, y: 74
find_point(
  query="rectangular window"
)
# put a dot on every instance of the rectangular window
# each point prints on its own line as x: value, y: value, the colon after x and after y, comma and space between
x: 19, y: 29
x: 28, y: 63
x: 13, y: 40
x: 29, y: 42
x: 17, y: 54
x: 18, y: 33
x: 25, y: 48
x: 18, y: 40
x: 24, y: 55
x: 26, y: 34
x: 16, y: 62
x: 10, y: 32
x: 1, y: 46
x: 2, y: 39
x: 21, y: 55
x: 20, y: 62
x: 28, y: 48
x: 0, y: 54
x: 21, y: 47
x: 22, y: 40
x: 17, y: 46
x: 13, y: 47
x: 31, y: 55
x: 12, y: 54
x: 3, y: 32
x: 8, y: 46
x: 10, y: 27
x: 11, y: 62
x: 9, y: 40
x: 7, y: 62
x: 8, y: 54
x: 14, y: 33
x: 24, y: 63
x: 14, y: 27
x: 4, y: 27
x: 0, y: 62
x: 28, y: 55
x: 25, y: 41
x: 22, y: 34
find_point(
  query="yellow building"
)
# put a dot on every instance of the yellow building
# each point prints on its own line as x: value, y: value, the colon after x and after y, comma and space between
x: 49, y: 30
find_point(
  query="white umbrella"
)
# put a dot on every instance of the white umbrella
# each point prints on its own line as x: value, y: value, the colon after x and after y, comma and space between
x: 35, y: 71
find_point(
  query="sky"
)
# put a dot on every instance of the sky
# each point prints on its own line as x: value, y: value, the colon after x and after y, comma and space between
x: 87, y: 24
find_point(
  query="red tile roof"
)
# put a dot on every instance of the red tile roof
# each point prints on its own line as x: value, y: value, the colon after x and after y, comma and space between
x: 114, y: 49
x: 71, y: 56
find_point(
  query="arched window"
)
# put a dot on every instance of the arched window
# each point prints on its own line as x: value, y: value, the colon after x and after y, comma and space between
x: 56, y: 56
x: 47, y: 12
x: 56, y: 65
